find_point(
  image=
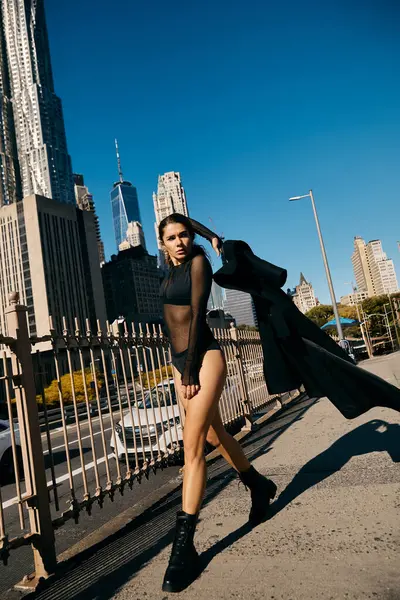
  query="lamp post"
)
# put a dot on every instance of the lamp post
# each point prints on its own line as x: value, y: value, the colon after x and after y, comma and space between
x: 325, y: 259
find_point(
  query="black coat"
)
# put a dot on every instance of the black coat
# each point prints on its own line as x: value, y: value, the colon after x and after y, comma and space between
x: 296, y: 351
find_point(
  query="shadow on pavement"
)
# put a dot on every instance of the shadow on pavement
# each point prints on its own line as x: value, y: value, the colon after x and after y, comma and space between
x: 101, y: 570
x: 374, y: 436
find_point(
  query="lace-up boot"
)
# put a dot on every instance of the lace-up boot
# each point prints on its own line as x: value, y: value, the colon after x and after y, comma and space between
x: 183, y: 567
x: 262, y: 491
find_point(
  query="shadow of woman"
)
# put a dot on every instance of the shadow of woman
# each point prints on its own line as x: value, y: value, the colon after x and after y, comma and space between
x: 374, y: 436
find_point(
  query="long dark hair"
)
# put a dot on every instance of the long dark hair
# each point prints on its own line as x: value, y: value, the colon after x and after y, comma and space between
x: 178, y: 218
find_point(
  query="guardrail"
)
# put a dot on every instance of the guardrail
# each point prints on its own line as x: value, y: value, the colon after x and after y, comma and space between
x: 102, y: 438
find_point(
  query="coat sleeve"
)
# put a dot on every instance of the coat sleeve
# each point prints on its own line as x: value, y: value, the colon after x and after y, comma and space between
x: 201, y: 280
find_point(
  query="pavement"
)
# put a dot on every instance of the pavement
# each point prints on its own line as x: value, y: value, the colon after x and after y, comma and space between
x: 333, y: 532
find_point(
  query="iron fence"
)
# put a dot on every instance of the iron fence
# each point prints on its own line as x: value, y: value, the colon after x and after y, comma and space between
x: 92, y: 415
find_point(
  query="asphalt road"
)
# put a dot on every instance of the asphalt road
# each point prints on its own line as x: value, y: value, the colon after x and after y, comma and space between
x: 20, y: 561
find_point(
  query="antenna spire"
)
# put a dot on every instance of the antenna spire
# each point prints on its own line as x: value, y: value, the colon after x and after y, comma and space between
x: 121, y: 178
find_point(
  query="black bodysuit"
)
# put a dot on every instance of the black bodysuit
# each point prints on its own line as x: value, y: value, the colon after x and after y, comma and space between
x: 185, y: 292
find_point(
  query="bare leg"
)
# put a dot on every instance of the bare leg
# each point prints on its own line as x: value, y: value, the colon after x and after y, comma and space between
x: 226, y: 444
x: 200, y: 412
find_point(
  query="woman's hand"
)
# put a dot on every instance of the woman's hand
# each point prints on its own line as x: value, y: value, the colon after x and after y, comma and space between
x: 215, y: 244
x: 189, y: 391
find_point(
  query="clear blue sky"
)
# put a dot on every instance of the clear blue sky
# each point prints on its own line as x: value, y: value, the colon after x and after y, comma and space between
x: 252, y: 101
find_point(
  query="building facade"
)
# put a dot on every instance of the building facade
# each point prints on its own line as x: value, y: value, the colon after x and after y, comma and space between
x: 84, y: 201
x: 134, y: 236
x: 353, y: 299
x: 10, y: 182
x: 170, y: 198
x: 240, y: 305
x: 374, y: 272
x: 132, y: 286
x: 304, y: 296
x: 44, y: 162
x: 217, y: 297
x: 48, y: 254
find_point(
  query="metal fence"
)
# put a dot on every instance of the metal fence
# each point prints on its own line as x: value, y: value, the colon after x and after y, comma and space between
x: 92, y: 415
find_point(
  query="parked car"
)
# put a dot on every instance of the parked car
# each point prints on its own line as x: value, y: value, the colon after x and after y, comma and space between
x: 7, y: 471
x: 162, y: 423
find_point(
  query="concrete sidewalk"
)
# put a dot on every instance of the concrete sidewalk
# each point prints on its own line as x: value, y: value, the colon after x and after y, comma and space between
x: 334, y: 530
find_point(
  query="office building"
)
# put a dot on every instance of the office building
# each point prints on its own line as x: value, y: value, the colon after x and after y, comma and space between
x: 124, y: 204
x: 10, y: 183
x: 240, y: 305
x: 217, y: 297
x: 353, y: 299
x: 374, y: 272
x: 132, y: 286
x: 304, y: 296
x: 48, y: 253
x: 170, y: 198
x: 134, y: 236
x: 84, y: 201
x: 44, y: 162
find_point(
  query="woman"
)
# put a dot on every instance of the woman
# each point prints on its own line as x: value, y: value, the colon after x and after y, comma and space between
x: 199, y: 373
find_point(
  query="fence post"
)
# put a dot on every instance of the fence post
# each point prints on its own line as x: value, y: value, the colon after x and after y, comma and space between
x: 37, y: 496
x: 244, y: 393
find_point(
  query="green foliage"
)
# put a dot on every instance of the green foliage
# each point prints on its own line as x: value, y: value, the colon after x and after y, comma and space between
x: 372, y: 308
x: 247, y: 327
x: 320, y: 314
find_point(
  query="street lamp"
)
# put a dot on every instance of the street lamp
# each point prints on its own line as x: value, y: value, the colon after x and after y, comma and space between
x: 325, y: 259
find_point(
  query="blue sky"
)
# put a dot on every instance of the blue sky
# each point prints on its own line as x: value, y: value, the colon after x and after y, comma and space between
x: 252, y: 102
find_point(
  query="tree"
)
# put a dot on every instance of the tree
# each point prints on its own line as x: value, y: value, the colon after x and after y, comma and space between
x: 51, y: 392
x: 320, y: 314
x: 247, y: 327
x: 375, y: 308
x: 155, y: 377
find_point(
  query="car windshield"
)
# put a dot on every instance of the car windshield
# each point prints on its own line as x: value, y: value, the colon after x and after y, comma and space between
x: 158, y: 399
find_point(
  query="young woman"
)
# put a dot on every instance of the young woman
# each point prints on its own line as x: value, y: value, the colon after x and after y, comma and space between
x: 199, y: 372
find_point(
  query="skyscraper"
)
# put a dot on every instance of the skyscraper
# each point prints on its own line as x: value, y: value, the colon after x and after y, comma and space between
x: 170, y: 198
x: 132, y: 286
x: 10, y: 183
x: 124, y: 204
x: 134, y: 236
x: 304, y: 297
x: 241, y: 306
x: 84, y: 201
x: 361, y: 267
x: 374, y: 272
x: 44, y: 162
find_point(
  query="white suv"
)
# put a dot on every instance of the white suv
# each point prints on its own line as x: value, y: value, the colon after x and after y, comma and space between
x: 155, y: 416
x: 7, y: 471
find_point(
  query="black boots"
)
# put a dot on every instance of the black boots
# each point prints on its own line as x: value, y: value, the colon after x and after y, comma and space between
x: 183, y: 567
x: 262, y: 491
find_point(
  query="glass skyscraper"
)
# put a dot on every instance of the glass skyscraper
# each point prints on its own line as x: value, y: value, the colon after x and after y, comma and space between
x: 125, y: 208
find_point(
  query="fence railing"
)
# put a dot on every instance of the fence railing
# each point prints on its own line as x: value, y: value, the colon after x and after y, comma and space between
x: 93, y: 415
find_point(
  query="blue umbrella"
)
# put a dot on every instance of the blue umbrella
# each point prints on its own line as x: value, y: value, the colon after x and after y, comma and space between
x: 343, y: 321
